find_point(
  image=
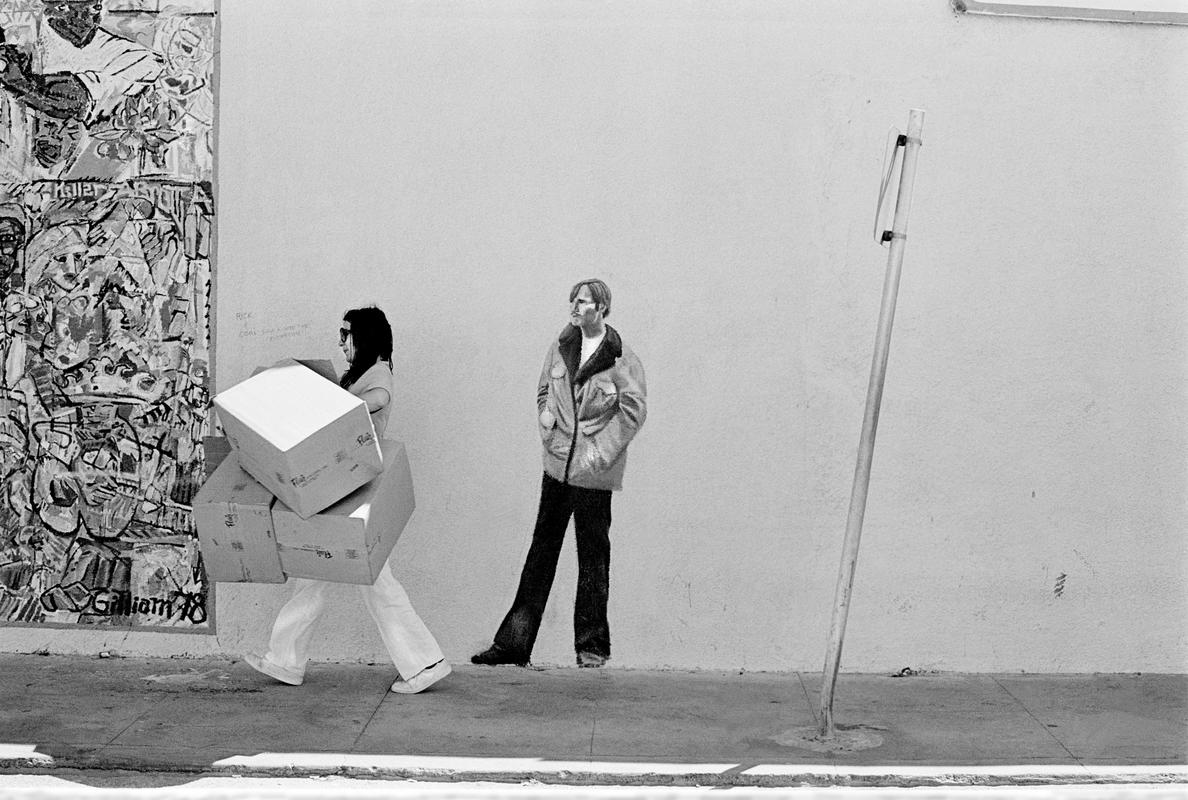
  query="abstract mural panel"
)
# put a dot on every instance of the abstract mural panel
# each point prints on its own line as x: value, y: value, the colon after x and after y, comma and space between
x: 106, y: 225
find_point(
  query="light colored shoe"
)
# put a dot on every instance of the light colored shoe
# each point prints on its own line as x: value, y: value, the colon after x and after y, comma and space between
x: 423, y: 679
x: 273, y: 670
x: 587, y: 659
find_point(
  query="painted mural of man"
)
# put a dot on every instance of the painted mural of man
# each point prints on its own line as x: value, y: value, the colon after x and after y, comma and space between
x: 591, y: 400
x: 84, y: 75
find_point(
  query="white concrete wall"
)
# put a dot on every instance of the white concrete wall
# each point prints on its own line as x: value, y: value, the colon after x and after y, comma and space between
x: 463, y: 163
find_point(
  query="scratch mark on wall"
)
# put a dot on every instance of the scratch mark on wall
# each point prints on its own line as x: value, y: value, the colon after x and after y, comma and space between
x: 1059, y: 591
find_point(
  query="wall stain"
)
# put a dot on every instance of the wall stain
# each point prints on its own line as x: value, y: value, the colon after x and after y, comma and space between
x: 1059, y: 591
x: 1085, y: 562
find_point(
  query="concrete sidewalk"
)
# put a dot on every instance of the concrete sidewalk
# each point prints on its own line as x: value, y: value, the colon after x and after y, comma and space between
x: 608, y: 726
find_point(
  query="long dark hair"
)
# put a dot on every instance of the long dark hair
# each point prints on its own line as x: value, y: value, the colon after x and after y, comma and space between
x: 372, y: 337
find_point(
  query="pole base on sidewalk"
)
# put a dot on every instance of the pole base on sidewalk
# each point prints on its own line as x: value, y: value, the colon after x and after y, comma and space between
x: 845, y: 739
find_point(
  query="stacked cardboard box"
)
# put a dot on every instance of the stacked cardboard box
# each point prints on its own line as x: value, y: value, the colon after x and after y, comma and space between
x: 307, y: 490
x: 350, y: 541
x: 233, y: 514
x: 308, y: 440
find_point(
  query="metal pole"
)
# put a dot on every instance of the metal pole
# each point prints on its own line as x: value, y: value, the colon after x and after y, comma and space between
x: 870, y: 423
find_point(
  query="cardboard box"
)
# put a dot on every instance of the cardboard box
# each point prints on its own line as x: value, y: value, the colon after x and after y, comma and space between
x: 309, y: 441
x: 233, y: 514
x: 350, y: 541
x: 214, y: 450
x: 322, y: 366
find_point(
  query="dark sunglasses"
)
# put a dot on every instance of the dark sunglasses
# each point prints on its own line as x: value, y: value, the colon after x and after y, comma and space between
x: 343, y: 333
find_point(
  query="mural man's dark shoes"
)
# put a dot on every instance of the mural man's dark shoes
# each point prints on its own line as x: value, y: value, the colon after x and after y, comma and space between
x: 493, y: 656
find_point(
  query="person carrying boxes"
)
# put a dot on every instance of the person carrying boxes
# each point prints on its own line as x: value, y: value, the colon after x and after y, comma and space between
x: 366, y: 341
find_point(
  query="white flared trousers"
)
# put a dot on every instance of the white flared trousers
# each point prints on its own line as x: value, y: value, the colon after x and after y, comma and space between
x: 410, y: 644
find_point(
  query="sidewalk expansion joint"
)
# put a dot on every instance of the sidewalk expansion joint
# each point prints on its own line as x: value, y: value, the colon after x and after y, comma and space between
x: 1036, y: 719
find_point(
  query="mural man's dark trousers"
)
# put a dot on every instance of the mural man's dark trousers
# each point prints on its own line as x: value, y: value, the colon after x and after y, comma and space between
x: 591, y: 511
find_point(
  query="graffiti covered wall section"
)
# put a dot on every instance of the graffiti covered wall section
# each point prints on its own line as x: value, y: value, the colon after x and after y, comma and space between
x: 106, y: 226
x: 107, y: 91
